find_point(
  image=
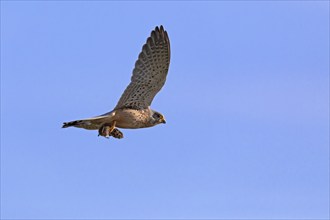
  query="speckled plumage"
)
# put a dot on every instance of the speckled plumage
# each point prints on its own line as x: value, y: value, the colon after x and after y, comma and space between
x: 133, y: 108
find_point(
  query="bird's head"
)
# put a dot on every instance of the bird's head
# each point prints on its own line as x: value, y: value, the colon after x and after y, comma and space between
x: 158, y: 118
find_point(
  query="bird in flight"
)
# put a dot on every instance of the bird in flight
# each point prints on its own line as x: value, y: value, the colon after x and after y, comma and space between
x: 133, y: 108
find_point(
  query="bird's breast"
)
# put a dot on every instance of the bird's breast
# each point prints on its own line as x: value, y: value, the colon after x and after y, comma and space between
x: 132, y: 118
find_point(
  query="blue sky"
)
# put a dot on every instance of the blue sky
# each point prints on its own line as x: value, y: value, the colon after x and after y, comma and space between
x: 246, y: 102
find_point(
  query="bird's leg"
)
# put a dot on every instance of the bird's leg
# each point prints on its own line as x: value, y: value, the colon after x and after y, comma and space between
x: 113, y: 125
x: 106, y: 129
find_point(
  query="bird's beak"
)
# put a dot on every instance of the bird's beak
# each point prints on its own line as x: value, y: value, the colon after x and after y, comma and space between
x: 163, y: 121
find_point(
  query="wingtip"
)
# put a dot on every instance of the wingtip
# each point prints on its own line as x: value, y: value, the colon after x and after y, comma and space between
x: 159, y: 28
x: 159, y: 32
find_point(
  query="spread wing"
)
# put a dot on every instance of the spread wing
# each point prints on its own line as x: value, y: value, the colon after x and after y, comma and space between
x: 149, y: 74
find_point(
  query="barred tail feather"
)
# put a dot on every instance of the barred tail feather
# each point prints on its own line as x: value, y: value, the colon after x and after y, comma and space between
x: 88, y: 123
x: 71, y: 123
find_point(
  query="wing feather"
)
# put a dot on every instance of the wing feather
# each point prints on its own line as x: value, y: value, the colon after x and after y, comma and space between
x: 149, y: 73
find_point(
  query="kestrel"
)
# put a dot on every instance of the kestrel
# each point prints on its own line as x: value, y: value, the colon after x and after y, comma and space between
x: 133, y: 108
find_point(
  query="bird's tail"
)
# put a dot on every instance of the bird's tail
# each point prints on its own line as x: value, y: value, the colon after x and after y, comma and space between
x: 88, y: 123
x: 72, y: 123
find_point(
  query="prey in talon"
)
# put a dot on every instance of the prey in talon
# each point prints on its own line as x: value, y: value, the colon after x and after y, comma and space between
x: 110, y: 130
